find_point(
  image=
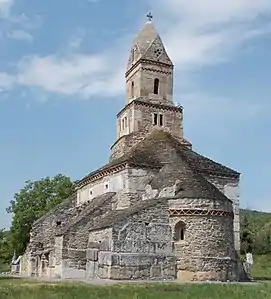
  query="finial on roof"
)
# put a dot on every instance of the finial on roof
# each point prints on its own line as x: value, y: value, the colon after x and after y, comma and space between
x: 150, y: 16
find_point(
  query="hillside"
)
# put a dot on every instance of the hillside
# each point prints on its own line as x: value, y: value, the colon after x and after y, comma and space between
x: 258, y: 220
x: 255, y: 232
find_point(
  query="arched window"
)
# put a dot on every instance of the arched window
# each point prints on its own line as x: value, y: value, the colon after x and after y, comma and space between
x: 133, y: 89
x: 156, y: 86
x: 179, y: 232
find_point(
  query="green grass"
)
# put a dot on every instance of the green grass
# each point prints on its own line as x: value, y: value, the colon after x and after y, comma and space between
x: 11, y: 288
x: 134, y: 291
x: 261, y: 269
x: 27, y: 289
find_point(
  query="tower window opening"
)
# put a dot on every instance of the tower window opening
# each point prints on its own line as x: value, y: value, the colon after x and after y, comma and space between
x: 125, y: 122
x: 122, y: 124
x: 133, y: 89
x: 179, y: 233
x: 158, y: 52
x: 155, y: 119
x: 156, y: 86
x: 161, y: 120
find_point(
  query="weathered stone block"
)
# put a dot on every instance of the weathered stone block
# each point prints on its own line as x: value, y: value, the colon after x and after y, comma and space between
x: 92, y: 254
x: 119, y: 273
x: 95, y: 245
x: 104, y: 272
x: 91, y: 270
x: 105, y: 258
x: 156, y: 272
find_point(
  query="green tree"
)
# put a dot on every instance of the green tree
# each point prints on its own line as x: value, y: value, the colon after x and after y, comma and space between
x: 32, y: 202
x: 263, y: 240
x: 247, y: 243
x: 5, y: 256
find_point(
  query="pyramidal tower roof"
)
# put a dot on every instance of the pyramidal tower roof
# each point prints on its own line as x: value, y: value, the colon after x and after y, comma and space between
x: 146, y: 36
x: 148, y: 45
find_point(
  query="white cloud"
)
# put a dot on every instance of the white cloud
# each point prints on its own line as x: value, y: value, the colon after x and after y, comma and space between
x: 196, y: 33
x: 77, y: 39
x: 5, y: 7
x: 20, y: 35
x: 84, y: 75
x: 6, y: 81
x: 207, y: 32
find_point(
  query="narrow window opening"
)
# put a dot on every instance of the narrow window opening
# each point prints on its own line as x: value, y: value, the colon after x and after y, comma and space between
x: 155, y: 119
x: 58, y: 223
x: 180, y: 231
x: 122, y: 124
x: 125, y: 121
x: 161, y: 120
x: 106, y: 186
x: 90, y: 192
x: 156, y: 86
x: 133, y: 89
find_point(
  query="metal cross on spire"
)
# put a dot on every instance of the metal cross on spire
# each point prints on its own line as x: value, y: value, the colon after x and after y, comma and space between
x: 149, y: 16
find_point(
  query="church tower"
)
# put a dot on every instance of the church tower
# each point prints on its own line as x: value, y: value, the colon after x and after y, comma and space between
x: 149, y: 93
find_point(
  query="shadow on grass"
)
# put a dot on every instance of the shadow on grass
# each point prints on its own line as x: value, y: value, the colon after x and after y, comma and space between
x: 8, y: 278
x: 262, y: 278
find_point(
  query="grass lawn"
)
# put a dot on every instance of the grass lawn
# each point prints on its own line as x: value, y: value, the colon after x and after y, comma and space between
x: 33, y: 289
x: 27, y: 289
x: 261, y: 269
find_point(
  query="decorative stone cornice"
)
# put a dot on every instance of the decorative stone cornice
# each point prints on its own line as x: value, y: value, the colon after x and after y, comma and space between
x: 109, y: 171
x: 148, y: 61
x: 100, y: 174
x: 156, y: 71
x: 200, y: 212
x: 153, y: 105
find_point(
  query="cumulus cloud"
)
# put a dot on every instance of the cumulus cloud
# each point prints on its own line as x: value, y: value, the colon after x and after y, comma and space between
x: 20, y: 35
x: 196, y: 33
x: 207, y: 32
x: 83, y: 75
x: 6, y: 81
x: 5, y: 7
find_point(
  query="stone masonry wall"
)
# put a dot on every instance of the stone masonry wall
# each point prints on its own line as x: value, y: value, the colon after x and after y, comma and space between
x: 42, y: 236
x: 207, y: 250
x: 142, y: 246
x: 230, y: 187
x: 116, y: 182
x: 143, y: 77
x: 140, y: 121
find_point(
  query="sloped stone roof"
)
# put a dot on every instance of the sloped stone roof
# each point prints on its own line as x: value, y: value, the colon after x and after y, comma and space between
x: 145, y: 37
x: 155, y: 150
x: 116, y: 216
x: 94, y: 208
x: 146, y: 43
x: 163, y: 144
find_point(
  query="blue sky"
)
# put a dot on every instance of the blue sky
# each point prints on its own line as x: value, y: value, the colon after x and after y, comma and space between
x: 62, y: 83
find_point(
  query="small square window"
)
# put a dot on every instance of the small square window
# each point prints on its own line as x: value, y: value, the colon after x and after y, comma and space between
x: 58, y: 223
x: 106, y: 186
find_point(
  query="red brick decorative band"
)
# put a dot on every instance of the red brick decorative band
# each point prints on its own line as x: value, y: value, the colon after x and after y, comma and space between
x: 199, y: 212
x: 100, y: 174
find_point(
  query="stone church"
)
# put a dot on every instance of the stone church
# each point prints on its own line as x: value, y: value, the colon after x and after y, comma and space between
x: 158, y: 210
